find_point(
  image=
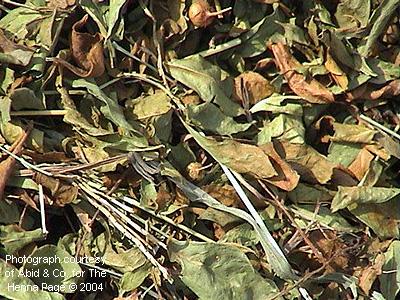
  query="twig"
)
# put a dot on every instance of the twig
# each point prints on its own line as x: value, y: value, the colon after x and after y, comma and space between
x: 42, y: 211
x: 315, y: 251
x: 39, y: 113
x: 380, y: 126
x: 7, y: 166
x: 130, y: 236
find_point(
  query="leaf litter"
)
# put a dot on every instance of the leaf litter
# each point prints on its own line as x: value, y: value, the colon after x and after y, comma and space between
x: 187, y: 149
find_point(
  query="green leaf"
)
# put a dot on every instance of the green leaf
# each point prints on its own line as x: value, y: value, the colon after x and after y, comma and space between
x: 122, y: 260
x: 13, y: 238
x: 21, y: 283
x: 75, y: 117
x: 243, y: 234
x: 24, y: 98
x: 110, y: 109
x: 150, y: 106
x: 55, y: 267
x: 284, y: 127
x: 12, y: 53
x: 9, y: 212
x: 348, y: 195
x: 114, y: 18
x: 292, y: 33
x: 5, y: 108
x: 379, y: 22
x: 390, y: 278
x: 304, y: 193
x: 20, y: 22
x: 382, y: 218
x: 209, y: 117
x: 219, y: 271
x: 343, y: 153
x: 132, y: 280
x: 96, y: 10
x: 324, y: 217
x: 207, y: 80
x: 350, y: 14
x: 148, y: 193
x: 268, y: 29
x: 275, y: 104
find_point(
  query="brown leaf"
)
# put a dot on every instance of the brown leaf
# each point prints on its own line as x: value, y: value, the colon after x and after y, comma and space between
x: 308, y: 88
x: 62, y: 192
x: 331, y: 245
x: 63, y: 4
x: 368, y: 92
x: 371, y: 273
x: 254, y: 84
x: 14, y: 53
x: 7, y: 165
x: 225, y: 194
x: 337, y: 74
x: 361, y: 164
x: 86, y: 50
x: 312, y: 166
x: 24, y: 196
x: 48, y: 157
x: 287, y: 179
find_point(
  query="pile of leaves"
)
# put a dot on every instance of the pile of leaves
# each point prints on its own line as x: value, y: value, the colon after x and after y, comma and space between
x: 229, y: 149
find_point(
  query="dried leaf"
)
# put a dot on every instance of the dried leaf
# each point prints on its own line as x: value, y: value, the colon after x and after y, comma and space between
x: 308, y: 88
x: 7, y: 165
x: 255, y: 85
x: 370, y: 274
x: 309, y: 163
x: 12, y: 53
x: 243, y: 158
x: 338, y: 75
x: 361, y: 164
x: 287, y: 179
x: 86, y: 51
x: 61, y: 192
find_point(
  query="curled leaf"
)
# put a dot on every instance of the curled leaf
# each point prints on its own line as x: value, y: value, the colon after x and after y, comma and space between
x: 86, y: 50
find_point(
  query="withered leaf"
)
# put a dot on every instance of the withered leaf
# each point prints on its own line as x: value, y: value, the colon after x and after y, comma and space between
x: 86, y: 51
x: 7, y: 165
x: 309, y: 163
x: 361, y: 164
x: 255, y: 85
x: 338, y: 75
x: 61, y: 192
x: 13, y: 53
x: 308, y: 88
x: 287, y: 179
x: 370, y: 92
x: 243, y: 158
